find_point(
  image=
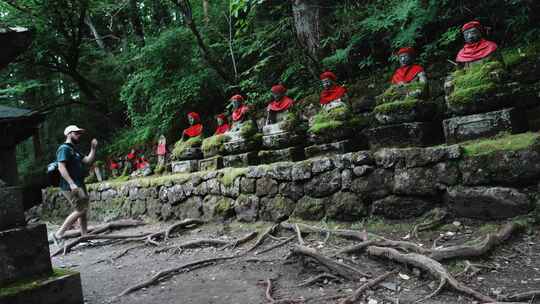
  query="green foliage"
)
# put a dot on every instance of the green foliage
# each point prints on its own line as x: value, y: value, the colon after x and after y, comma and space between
x: 214, y: 144
x: 516, y: 55
x: 181, y: 146
x: 476, y: 81
x: 504, y: 142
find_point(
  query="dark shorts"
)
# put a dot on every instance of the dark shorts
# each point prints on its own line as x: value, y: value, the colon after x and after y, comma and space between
x: 78, y: 199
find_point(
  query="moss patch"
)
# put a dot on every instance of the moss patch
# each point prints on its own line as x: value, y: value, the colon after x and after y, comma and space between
x: 214, y: 144
x: 398, y: 106
x: 31, y: 283
x: 501, y: 143
x: 230, y: 174
x: 182, y: 145
x: 327, y: 121
x: 477, y: 81
x: 517, y: 55
x: 224, y: 208
x: 399, y: 92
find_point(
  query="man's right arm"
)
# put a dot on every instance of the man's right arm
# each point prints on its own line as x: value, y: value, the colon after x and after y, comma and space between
x: 65, y: 174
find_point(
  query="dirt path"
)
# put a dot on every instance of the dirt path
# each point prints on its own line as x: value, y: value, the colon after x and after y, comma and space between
x: 516, y: 268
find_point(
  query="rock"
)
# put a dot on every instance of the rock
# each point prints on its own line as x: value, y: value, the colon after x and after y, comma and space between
x: 166, y: 212
x: 255, y: 171
x: 138, y: 208
x: 362, y: 170
x: 201, y: 189
x: 424, y: 181
x: 324, y: 184
x: 280, y: 171
x: 292, y: 190
x: 416, y: 157
x: 266, y: 187
x: 487, y: 202
x: 176, y: 195
x: 376, y: 185
x: 401, y: 207
x: 276, y: 208
x: 214, y: 187
x: 501, y: 167
x: 362, y: 158
x: 343, y: 161
x: 301, y: 171
x: 308, y: 208
x: 247, y: 185
x: 404, y: 135
x: 246, y: 208
x: 133, y: 193
x: 346, y: 179
x: 320, y: 165
x: 232, y: 190
x: 346, y: 206
x: 218, y: 207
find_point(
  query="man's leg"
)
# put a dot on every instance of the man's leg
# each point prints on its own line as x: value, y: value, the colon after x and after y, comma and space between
x: 83, y: 221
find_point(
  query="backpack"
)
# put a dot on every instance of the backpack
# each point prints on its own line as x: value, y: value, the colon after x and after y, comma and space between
x: 53, y: 174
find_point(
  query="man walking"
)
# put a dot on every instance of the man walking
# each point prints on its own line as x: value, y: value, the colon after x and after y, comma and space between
x: 70, y: 165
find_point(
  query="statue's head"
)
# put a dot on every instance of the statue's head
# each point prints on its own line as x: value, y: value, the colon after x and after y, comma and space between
x: 237, y: 101
x: 472, y: 32
x: 406, y: 56
x: 278, y: 91
x: 328, y: 79
x: 193, y: 117
x: 220, y: 119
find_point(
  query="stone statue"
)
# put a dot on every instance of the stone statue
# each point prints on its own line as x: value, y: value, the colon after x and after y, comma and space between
x: 408, y: 71
x: 222, y: 124
x: 279, y: 106
x: 333, y: 95
x: 161, y: 152
x: 240, y: 112
x: 476, y: 48
x: 195, y: 128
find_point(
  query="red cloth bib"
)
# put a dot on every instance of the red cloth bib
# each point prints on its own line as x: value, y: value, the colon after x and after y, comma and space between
x: 130, y: 156
x: 239, y: 113
x: 194, y: 130
x: 280, y: 105
x: 222, y: 129
x: 161, y: 149
x: 406, y: 74
x: 476, y: 51
x: 114, y: 166
x: 334, y: 93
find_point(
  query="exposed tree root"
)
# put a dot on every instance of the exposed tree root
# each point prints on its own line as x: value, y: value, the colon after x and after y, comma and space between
x: 475, y: 250
x: 248, y: 237
x: 210, y: 243
x: 348, y: 234
x: 182, y: 225
x: 276, y: 245
x: 318, y: 278
x: 346, y: 271
x: 168, y: 272
x: 432, y: 267
x: 263, y: 237
x: 67, y: 248
x: 525, y: 296
x: 115, y: 225
x: 435, y: 218
x: 299, y: 235
x: 355, y: 296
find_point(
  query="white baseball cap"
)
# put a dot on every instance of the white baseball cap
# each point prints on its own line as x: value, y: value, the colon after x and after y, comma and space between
x: 72, y: 128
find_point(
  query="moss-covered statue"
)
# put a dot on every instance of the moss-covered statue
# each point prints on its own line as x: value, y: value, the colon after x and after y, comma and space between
x: 332, y: 127
x: 244, y: 136
x: 406, y: 100
x: 188, y: 147
x: 213, y: 146
x: 478, y: 99
x: 281, y: 129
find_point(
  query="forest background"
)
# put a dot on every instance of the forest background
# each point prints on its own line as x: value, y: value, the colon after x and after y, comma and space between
x: 129, y: 70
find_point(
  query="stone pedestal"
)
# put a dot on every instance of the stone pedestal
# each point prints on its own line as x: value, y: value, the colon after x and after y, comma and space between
x: 405, y: 135
x: 240, y: 160
x: 339, y: 147
x: 62, y: 289
x: 185, y: 166
x: 469, y: 127
x: 291, y: 154
x: 211, y: 163
x: 26, y: 274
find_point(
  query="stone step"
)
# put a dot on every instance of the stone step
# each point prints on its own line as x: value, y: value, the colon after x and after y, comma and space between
x: 405, y: 135
x: 24, y: 252
x: 56, y: 289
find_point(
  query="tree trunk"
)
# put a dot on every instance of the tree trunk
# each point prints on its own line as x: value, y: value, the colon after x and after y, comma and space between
x: 307, y: 24
x: 205, y: 12
x: 160, y: 14
x: 136, y: 21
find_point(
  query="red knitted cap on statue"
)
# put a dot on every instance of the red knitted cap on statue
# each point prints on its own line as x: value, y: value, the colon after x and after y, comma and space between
x: 408, y: 50
x: 470, y: 25
x: 279, y: 89
x: 194, y: 115
x: 237, y: 97
x: 328, y: 75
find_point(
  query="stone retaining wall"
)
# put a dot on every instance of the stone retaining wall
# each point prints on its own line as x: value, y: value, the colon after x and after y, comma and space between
x: 392, y: 183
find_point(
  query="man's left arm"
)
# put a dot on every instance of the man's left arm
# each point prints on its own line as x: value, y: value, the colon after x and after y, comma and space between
x: 88, y: 159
